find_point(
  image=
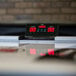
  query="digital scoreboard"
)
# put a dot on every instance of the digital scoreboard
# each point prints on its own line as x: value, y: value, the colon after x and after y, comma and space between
x: 37, y: 30
x: 41, y: 30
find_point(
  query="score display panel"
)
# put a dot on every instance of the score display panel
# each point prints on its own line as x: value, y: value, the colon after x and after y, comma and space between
x: 41, y: 30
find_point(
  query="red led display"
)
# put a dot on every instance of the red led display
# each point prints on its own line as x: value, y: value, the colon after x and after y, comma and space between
x: 51, y: 29
x: 41, y: 30
x: 32, y: 29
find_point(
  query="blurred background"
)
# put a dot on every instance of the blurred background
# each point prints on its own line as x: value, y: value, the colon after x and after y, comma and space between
x: 54, y: 11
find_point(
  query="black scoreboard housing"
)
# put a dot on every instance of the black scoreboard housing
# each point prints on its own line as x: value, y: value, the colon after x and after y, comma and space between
x: 23, y: 30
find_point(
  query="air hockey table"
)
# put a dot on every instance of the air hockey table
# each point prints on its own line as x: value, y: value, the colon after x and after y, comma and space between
x: 28, y: 58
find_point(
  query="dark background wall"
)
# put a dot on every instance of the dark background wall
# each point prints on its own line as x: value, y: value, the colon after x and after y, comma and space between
x: 38, y: 10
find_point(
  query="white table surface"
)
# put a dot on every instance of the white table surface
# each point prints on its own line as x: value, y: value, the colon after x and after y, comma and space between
x: 21, y: 62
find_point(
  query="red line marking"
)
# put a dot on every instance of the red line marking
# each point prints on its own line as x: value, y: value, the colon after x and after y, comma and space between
x: 8, y: 50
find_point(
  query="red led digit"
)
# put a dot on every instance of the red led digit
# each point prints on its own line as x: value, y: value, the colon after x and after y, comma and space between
x: 32, y: 29
x: 51, y: 29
